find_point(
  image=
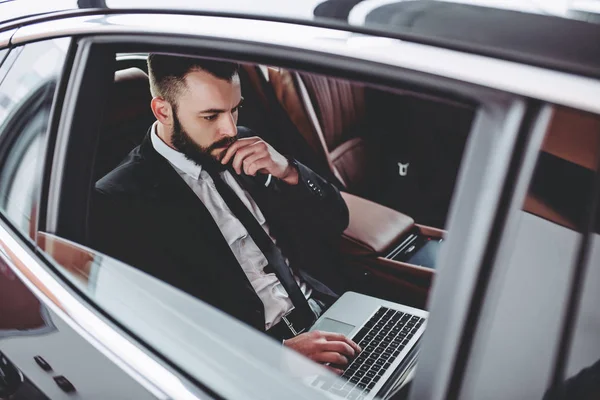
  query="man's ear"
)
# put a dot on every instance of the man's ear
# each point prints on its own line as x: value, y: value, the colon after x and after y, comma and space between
x: 162, y: 110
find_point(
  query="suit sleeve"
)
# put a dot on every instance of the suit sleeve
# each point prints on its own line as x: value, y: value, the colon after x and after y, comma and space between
x: 313, y: 205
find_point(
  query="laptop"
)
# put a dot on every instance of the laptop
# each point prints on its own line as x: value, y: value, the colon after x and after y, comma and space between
x: 388, y: 334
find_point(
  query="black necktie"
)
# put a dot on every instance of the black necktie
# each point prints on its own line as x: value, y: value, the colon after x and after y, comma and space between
x: 271, y: 252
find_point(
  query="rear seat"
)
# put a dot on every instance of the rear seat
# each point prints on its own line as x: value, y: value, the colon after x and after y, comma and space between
x: 363, y: 134
x: 331, y: 116
x: 127, y: 119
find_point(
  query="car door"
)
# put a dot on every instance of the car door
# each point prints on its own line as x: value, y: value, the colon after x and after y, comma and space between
x: 43, y: 352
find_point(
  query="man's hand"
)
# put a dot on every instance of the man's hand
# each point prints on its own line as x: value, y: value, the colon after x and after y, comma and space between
x: 252, y: 155
x: 325, y: 347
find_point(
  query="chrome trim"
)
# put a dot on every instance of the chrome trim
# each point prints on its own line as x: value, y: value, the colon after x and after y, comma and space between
x: 5, y: 37
x: 149, y: 373
x: 551, y: 86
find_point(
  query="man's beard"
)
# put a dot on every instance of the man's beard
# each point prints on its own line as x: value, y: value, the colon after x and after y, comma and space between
x: 201, y: 155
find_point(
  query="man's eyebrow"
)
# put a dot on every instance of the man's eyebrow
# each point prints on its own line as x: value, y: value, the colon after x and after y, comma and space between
x: 219, y: 110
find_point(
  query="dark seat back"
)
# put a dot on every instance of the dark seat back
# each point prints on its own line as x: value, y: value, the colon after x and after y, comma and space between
x: 127, y: 119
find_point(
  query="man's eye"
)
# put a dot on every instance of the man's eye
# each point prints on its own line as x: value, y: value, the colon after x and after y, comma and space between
x: 211, y: 117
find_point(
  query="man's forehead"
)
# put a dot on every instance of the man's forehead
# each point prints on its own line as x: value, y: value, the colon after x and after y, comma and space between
x: 201, y: 86
x: 200, y: 79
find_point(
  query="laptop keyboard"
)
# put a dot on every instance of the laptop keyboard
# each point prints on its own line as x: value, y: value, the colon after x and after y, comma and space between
x: 381, y: 339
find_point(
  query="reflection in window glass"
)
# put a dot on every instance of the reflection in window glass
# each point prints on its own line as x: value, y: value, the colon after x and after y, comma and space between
x: 25, y: 100
x: 190, y: 332
x: 543, y: 246
x: 581, y: 378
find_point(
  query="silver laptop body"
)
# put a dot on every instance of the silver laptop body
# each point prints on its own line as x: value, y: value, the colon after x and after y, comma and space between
x: 348, y: 315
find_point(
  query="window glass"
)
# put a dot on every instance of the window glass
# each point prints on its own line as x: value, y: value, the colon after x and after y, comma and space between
x: 583, y: 360
x: 530, y: 290
x: 7, y: 61
x: 26, y: 95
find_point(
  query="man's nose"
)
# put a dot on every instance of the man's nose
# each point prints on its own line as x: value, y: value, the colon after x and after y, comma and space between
x: 228, y: 126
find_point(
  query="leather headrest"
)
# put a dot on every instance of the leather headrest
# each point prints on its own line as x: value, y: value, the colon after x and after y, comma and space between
x: 130, y: 96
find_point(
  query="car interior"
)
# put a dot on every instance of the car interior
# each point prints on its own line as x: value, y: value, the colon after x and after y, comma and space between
x: 395, y: 156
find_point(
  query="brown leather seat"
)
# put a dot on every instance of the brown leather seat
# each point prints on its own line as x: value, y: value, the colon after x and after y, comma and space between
x: 366, y: 134
x: 331, y: 115
x: 127, y: 119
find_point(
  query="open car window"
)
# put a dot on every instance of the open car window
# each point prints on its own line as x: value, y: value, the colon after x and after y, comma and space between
x: 358, y: 147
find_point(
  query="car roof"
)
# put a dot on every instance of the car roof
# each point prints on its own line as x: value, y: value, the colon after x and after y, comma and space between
x: 521, y: 31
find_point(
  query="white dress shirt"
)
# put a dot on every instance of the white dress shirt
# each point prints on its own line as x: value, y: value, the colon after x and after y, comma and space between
x: 268, y: 287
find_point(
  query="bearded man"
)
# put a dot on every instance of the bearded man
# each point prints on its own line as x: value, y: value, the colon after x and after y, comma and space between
x: 212, y: 209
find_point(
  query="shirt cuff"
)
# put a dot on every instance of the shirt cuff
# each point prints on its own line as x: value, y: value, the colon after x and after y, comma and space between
x: 268, y: 182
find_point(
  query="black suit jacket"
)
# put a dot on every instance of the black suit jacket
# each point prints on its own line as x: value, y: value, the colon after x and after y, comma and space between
x: 144, y: 214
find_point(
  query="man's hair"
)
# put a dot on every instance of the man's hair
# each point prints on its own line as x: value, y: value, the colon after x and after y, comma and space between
x: 167, y: 73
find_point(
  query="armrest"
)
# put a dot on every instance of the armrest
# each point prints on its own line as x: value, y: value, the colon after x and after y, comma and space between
x: 373, y: 228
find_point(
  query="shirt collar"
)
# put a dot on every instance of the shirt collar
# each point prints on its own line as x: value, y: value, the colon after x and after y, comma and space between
x: 174, y: 157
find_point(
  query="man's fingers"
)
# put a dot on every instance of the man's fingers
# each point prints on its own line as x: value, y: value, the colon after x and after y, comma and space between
x: 330, y: 357
x: 240, y: 156
x: 338, y: 347
x: 243, y: 153
x: 258, y: 165
x: 238, y: 144
x: 338, y: 337
x: 247, y: 164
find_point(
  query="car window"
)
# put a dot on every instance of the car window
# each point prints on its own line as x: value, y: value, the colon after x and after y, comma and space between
x: 170, y: 255
x: 26, y: 95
